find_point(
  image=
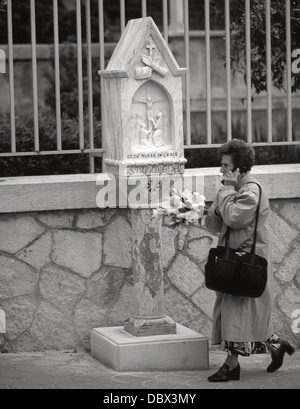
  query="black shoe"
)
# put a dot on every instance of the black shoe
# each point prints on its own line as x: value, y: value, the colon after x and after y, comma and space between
x: 224, y: 374
x: 277, y: 357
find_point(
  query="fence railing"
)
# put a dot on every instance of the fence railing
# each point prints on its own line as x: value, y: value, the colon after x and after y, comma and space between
x: 175, y: 13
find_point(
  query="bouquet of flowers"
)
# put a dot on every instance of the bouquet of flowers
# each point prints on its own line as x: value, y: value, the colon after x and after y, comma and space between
x: 182, y: 207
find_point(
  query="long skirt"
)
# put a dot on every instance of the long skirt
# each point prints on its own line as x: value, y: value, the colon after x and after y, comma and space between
x: 248, y: 348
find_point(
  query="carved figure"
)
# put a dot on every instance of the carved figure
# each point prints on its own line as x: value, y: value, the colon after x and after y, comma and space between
x: 158, y: 133
x: 144, y: 135
x: 152, y: 64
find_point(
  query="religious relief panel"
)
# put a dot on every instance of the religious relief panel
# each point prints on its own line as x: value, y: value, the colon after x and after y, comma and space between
x: 151, y: 62
x: 151, y: 119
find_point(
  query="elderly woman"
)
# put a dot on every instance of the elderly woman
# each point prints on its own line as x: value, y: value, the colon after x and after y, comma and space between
x: 243, y: 325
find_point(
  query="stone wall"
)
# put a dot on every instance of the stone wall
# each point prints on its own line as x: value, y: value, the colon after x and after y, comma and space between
x: 64, y: 272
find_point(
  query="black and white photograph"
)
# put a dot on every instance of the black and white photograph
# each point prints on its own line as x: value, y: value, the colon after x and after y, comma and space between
x: 149, y: 197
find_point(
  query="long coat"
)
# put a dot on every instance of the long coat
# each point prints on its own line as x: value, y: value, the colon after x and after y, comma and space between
x: 241, y: 319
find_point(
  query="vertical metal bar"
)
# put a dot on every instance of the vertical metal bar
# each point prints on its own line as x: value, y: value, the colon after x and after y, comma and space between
x: 80, y: 75
x: 101, y: 34
x: 90, y: 81
x: 122, y: 15
x: 269, y: 69
x: 11, y: 79
x: 188, y: 72
x: 144, y: 8
x: 208, y: 72
x: 248, y: 73
x: 34, y: 77
x: 57, y: 75
x: 289, y: 70
x: 102, y: 67
x: 166, y: 20
x: 228, y: 69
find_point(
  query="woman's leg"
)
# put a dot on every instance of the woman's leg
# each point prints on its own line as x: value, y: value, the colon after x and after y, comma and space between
x: 232, y: 360
x: 278, y: 348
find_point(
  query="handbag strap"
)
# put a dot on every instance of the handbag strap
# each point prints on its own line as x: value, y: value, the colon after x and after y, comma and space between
x: 256, y: 222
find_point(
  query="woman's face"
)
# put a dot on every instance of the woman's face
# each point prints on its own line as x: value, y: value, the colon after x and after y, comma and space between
x: 227, y: 164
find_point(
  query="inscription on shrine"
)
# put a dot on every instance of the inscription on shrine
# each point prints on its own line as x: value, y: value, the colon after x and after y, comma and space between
x: 153, y: 155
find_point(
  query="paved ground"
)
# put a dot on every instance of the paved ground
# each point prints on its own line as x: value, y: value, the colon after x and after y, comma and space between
x: 71, y: 370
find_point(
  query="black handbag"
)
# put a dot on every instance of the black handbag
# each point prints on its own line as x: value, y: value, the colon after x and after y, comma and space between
x: 237, y: 272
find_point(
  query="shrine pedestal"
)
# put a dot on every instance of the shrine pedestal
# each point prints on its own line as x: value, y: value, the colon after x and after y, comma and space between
x: 116, y: 348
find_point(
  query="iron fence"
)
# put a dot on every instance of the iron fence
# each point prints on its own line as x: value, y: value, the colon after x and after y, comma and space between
x: 174, y: 13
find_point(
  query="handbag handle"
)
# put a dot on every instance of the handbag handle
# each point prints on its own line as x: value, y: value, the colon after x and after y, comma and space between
x: 256, y: 222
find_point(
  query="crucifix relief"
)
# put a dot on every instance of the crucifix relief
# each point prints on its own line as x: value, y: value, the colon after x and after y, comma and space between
x: 149, y: 103
x: 152, y: 63
x: 151, y: 118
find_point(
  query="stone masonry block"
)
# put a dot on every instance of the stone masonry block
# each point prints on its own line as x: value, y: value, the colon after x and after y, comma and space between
x: 185, y: 275
x: 199, y: 248
x: 118, y: 244
x: 19, y: 314
x: 105, y: 286
x: 290, y: 301
x: 59, y: 219
x: 290, y: 210
x: 180, y: 309
x: 16, y: 278
x: 282, y: 235
x: 123, y: 308
x: 290, y: 267
x: 48, y: 323
x: 79, y: 252
x: 17, y: 232
x: 61, y: 288
x: 169, y: 249
x: 92, y: 219
x: 205, y: 300
x: 38, y: 253
x: 87, y: 315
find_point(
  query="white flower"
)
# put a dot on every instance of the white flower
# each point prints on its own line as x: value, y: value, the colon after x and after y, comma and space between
x: 183, y: 207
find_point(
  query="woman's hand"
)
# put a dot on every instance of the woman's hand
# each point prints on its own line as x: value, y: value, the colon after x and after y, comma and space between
x: 231, y: 178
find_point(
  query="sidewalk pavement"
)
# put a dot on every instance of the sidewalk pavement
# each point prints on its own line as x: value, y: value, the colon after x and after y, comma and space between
x: 79, y: 370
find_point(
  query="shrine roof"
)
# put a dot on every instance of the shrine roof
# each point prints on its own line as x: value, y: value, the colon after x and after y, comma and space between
x: 127, y: 54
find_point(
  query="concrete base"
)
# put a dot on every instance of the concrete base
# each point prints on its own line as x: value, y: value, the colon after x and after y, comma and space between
x: 184, y: 351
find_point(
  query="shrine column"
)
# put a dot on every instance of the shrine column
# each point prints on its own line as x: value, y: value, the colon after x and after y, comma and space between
x: 149, y: 317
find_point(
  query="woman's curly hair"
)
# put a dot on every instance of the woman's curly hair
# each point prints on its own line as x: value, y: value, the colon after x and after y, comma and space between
x: 242, y: 153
